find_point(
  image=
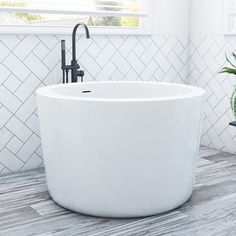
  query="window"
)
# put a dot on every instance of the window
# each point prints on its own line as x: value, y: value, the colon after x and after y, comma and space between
x: 230, y: 22
x: 114, y: 14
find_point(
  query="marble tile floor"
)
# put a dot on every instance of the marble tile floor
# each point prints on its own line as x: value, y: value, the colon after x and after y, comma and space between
x: 26, y: 208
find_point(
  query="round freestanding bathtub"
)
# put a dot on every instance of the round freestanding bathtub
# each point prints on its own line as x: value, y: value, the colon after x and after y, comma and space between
x: 120, y: 149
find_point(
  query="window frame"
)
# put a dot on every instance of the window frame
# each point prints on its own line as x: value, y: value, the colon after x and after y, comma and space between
x: 227, y: 30
x: 144, y: 29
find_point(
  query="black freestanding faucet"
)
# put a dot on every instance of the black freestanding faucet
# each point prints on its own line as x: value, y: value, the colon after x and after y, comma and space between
x: 74, y: 67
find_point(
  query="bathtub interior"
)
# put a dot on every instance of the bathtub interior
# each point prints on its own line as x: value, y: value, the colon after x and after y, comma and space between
x: 121, y: 90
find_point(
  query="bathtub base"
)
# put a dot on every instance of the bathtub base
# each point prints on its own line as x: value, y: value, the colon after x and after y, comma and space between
x: 125, y: 212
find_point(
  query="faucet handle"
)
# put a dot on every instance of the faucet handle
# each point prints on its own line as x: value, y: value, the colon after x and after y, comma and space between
x: 80, y: 74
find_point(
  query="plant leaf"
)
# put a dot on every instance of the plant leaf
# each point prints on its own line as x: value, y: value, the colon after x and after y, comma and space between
x: 228, y: 70
x: 229, y: 61
x: 234, y: 55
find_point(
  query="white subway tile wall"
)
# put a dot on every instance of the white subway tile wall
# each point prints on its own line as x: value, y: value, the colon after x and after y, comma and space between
x: 207, y: 56
x: 28, y: 62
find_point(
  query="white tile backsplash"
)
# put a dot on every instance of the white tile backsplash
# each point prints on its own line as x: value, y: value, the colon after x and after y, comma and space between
x: 28, y: 62
x: 29, y: 148
x: 12, y: 83
x: 27, y: 109
x: 105, y: 54
x: 35, y: 65
x: 27, y: 87
x: 26, y: 46
x: 106, y: 72
x: 120, y: 62
x: 135, y: 62
x: 14, y: 144
x: 17, y: 67
x: 5, y: 137
x: 9, y: 161
x: 4, y: 51
x: 19, y: 129
x: 9, y: 100
x: 207, y: 58
x: 5, y: 115
x: 5, y: 73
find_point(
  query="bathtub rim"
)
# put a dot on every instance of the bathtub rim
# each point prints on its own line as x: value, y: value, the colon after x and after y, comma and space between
x: 46, y: 91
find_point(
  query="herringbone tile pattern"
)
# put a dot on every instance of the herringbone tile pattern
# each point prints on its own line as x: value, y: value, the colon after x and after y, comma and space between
x: 28, y: 62
x: 207, y: 56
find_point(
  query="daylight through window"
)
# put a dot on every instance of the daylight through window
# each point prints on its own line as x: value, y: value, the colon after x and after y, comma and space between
x: 115, y: 13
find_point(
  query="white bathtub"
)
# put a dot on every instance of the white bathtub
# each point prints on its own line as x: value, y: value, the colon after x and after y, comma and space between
x: 124, y: 149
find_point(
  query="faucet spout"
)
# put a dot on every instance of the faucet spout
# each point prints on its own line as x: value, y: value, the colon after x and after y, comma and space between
x: 74, y: 38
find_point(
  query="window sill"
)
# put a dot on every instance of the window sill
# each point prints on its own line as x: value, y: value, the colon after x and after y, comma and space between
x: 68, y: 30
x: 229, y: 33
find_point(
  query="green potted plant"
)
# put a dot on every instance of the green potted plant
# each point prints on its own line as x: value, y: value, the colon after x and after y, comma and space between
x: 231, y: 70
